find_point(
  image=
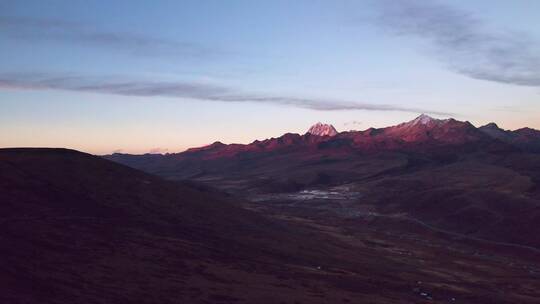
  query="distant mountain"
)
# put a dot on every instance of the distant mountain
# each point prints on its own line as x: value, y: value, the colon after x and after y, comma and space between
x: 320, y: 129
x: 409, y: 167
x: 420, y: 135
x: 493, y: 130
x: 526, y: 138
x: 423, y: 133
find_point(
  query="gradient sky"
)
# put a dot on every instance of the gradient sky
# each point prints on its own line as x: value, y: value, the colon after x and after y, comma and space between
x: 162, y: 76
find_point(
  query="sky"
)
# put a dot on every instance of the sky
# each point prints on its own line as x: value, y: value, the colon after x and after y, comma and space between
x: 164, y: 76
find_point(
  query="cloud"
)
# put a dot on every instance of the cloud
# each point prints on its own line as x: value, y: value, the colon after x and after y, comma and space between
x: 190, y: 90
x: 32, y: 30
x: 158, y: 150
x: 464, y: 42
x: 352, y: 123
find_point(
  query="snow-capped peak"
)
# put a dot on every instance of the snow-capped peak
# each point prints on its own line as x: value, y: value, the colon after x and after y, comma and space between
x: 321, y: 129
x: 425, y: 120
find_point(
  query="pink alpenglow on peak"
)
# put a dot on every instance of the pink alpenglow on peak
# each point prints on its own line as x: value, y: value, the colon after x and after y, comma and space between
x: 426, y: 120
x: 320, y: 129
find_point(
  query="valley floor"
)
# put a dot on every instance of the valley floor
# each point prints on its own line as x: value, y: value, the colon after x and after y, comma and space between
x: 436, y: 265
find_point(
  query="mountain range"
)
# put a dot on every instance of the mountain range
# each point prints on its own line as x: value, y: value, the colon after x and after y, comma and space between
x: 424, y: 132
x: 427, y: 211
x: 483, y: 182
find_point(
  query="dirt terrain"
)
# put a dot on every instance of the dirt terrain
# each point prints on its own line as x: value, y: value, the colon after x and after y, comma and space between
x: 78, y: 228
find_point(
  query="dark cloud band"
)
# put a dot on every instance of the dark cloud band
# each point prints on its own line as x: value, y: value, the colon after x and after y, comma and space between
x: 196, y: 91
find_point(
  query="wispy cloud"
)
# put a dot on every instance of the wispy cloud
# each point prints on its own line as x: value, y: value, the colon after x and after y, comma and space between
x: 190, y: 90
x: 73, y: 33
x: 352, y: 123
x: 465, y: 43
x: 158, y: 150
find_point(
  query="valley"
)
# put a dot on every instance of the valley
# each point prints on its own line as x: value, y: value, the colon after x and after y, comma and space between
x: 445, y: 173
x: 270, y: 152
x: 298, y: 219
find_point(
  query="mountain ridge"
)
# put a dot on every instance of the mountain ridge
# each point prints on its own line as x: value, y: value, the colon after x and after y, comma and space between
x: 423, y: 130
x: 525, y: 138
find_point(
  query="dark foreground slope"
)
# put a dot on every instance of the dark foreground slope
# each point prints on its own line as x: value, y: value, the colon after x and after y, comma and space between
x: 75, y: 228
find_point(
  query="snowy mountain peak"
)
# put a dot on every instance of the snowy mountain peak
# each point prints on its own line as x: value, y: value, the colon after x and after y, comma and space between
x: 425, y: 120
x: 321, y: 129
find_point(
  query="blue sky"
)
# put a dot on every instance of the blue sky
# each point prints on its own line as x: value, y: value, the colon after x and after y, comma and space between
x: 140, y: 76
